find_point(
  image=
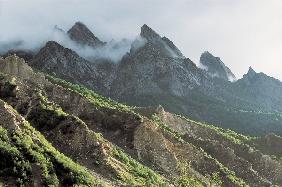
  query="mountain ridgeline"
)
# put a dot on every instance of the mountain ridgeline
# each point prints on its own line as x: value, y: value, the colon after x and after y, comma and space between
x: 155, y: 72
x: 63, y: 123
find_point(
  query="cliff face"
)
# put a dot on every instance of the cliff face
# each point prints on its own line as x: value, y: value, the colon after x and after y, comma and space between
x: 261, y: 89
x: 155, y: 66
x: 16, y: 66
x: 154, y: 69
x: 55, y: 59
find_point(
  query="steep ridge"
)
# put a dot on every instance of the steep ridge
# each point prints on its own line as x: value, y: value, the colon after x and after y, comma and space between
x: 27, y: 159
x: 69, y: 134
x: 55, y: 59
x: 269, y: 144
x: 231, y: 149
x: 88, y: 128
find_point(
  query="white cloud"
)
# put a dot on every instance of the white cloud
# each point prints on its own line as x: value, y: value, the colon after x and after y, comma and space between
x: 243, y: 32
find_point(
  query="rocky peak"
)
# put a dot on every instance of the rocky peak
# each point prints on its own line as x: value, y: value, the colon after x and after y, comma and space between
x: 215, y: 67
x: 52, y: 45
x: 53, y: 55
x: 251, y: 72
x: 66, y: 63
x: 148, y: 33
x: 158, y: 45
x: 249, y: 75
x: 56, y: 50
x: 83, y: 36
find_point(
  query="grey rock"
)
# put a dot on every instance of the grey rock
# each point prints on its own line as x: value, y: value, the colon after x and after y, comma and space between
x: 215, y: 67
x: 82, y: 35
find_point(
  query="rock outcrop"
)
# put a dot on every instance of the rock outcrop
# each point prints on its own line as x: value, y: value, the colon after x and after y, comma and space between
x: 16, y: 66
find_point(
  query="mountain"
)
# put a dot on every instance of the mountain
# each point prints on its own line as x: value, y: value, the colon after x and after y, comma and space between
x: 156, y: 68
x: 154, y: 72
x: 82, y: 35
x: 25, y: 54
x: 54, y: 57
x: 66, y: 63
x: 53, y: 132
x: 261, y: 89
x: 215, y: 67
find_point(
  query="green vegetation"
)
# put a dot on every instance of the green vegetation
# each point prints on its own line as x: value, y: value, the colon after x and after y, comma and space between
x: 96, y: 99
x: 136, y: 173
x: 12, y: 162
x: 184, y: 179
x: 203, y: 108
x: 25, y: 148
x: 47, y: 116
x: 215, y: 178
x: 8, y: 87
x: 226, y: 133
x: 167, y: 129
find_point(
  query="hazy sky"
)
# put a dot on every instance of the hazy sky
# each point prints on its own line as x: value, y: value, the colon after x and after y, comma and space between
x: 242, y: 33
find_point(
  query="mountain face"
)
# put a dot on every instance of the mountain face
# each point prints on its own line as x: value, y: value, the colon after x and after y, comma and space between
x: 82, y: 35
x: 156, y: 68
x: 54, y: 57
x: 155, y: 72
x: 58, y: 60
x: 139, y: 70
x: 55, y: 133
x: 261, y: 89
x: 215, y: 67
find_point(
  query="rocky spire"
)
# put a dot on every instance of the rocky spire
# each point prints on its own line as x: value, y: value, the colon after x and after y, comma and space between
x: 251, y: 73
x: 148, y: 33
x: 82, y: 35
x: 215, y: 67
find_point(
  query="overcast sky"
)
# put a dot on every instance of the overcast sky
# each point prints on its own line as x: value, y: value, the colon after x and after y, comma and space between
x: 242, y: 33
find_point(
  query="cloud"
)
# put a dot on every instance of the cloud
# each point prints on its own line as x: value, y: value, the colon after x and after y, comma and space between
x: 113, y: 50
x: 243, y: 32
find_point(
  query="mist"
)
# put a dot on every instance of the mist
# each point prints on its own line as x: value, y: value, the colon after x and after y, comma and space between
x: 113, y: 50
x: 242, y: 33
